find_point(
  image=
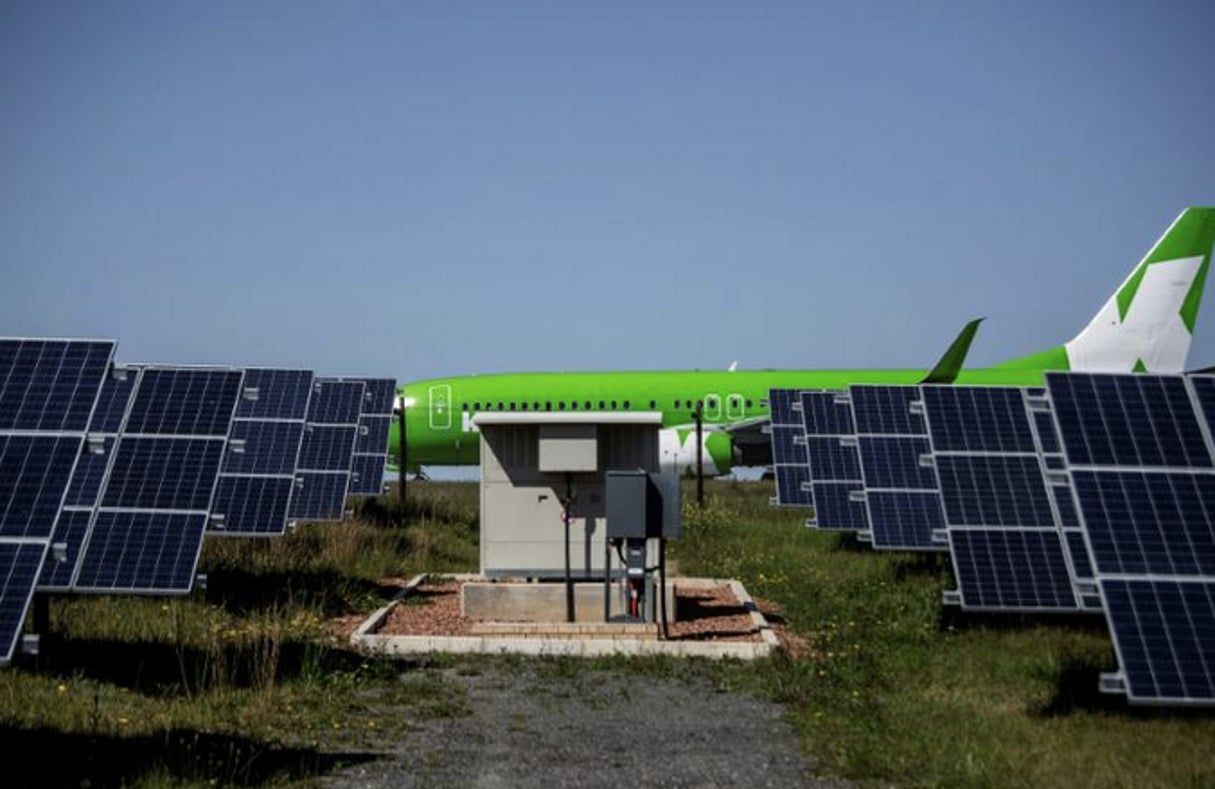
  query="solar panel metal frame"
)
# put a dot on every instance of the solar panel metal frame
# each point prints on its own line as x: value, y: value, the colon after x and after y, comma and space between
x: 288, y: 408
x: 94, y: 565
x: 24, y: 555
x: 367, y: 464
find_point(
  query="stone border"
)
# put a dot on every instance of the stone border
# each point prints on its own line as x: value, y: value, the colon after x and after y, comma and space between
x: 366, y: 639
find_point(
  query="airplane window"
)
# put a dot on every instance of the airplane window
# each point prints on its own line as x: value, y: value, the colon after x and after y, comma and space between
x: 574, y: 405
x: 748, y: 403
x: 548, y: 406
x: 688, y: 404
x: 535, y: 406
x: 561, y: 406
x: 512, y: 406
x: 613, y: 405
x: 626, y: 405
x: 602, y: 405
x: 523, y: 406
x: 588, y: 405
x: 463, y: 406
x: 476, y: 406
x: 500, y: 406
x: 734, y: 402
x: 653, y: 405
x: 676, y: 404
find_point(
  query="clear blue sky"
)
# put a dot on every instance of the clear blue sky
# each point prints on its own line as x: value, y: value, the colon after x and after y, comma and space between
x: 416, y: 189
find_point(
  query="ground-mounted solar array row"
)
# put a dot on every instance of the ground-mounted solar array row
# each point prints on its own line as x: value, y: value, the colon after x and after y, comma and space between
x: 1094, y: 493
x: 111, y: 475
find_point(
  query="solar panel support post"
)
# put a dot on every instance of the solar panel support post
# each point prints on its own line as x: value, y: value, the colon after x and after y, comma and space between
x: 42, y: 612
x: 700, y: 451
x: 401, y: 457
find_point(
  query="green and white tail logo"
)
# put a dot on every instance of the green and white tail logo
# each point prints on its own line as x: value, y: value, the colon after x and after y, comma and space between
x: 1148, y: 324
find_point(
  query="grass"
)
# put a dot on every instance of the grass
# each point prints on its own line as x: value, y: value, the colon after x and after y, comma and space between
x: 242, y: 684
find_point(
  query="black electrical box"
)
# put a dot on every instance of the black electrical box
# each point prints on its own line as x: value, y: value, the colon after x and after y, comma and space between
x: 641, y: 505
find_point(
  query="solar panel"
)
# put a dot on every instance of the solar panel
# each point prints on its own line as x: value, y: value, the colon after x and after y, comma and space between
x: 147, y: 533
x: 367, y: 475
x: 905, y: 520
x: 319, y: 494
x: 1127, y: 420
x: 254, y: 492
x: 50, y: 385
x: 48, y: 391
x: 335, y: 402
x: 1164, y: 637
x: 788, y: 449
x: 373, y: 435
x: 978, y: 419
x: 836, y: 506
x: 1007, y: 569
x: 994, y: 491
x: 894, y: 462
x: 826, y: 414
x: 886, y: 410
x: 832, y: 459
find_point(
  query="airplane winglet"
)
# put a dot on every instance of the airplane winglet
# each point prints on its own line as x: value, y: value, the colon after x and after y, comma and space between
x: 950, y: 365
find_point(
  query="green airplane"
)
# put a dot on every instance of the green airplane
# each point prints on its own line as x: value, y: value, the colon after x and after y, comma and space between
x: 1145, y: 326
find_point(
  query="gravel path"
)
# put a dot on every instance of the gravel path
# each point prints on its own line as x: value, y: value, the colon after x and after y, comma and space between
x: 520, y: 726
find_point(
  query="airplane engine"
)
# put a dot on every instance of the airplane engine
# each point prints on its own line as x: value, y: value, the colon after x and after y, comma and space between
x: 677, y: 451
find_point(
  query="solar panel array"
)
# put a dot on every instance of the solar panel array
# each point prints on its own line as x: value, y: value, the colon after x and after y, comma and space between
x: 48, y: 390
x: 371, y: 444
x: 258, y: 478
x: 110, y: 475
x: 1139, y: 450
x: 323, y: 470
x: 788, y: 450
x: 1096, y: 492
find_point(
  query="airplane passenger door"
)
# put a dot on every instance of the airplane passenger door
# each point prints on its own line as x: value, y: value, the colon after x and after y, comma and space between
x: 734, y: 407
x: 440, y: 407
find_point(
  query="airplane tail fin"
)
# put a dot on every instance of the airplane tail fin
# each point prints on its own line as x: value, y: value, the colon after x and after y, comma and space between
x: 1147, y: 324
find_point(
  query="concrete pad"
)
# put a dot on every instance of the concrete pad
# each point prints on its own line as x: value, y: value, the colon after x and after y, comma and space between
x: 564, y: 644
x: 543, y: 602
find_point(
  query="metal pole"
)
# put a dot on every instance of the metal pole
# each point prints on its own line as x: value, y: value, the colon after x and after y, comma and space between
x: 567, y: 516
x: 401, y: 457
x: 700, y: 460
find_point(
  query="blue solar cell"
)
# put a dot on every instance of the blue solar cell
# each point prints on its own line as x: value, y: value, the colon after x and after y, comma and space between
x: 85, y: 487
x: 1048, y: 434
x: 1164, y: 634
x: 269, y: 447
x: 780, y: 404
x: 367, y: 475
x: 983, y: 490
x: 50, y: 385
x: 1149, y: 523
x: 163, y: 473
x: 20, y: 563
x: 1005, y: 569
x: 1066, y: 506
x: 320, y: 495
x: 70, y: 530
x: 281, y: 394
x: 786, y: 446
x: 335, y: 402
x: 373, y: 435
x: 886, y: 410
x: 1127, y: 420
x: 327, y: 448
x: 112, y: 402
x: 905, y: 520
x: 789, y: 481
x: 894, y: 462
x: 193, y: 402
x: 830, y: 460
x: 1082, y: 565
x: 834, y: 508
x: 253, y: 505
x: 823, y: 416
x: 35, y: 471
x: 978, y: 419
x: 142, y: 551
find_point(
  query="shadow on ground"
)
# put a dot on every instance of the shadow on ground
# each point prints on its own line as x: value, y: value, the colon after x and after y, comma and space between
x: 47, y: 757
